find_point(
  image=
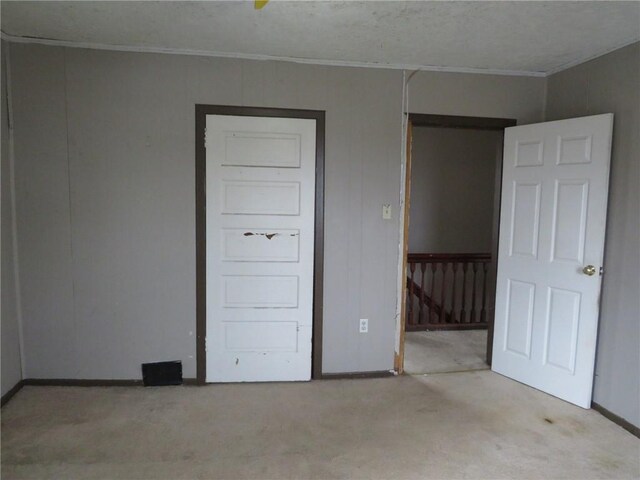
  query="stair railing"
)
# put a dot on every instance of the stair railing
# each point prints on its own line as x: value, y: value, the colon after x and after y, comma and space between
x: 447, y: 291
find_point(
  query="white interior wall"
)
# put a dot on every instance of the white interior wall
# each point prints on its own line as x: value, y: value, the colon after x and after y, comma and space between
x: 520, y: 98
x: 105, y: 196
x: 452, y: 190
x: 611, y: 84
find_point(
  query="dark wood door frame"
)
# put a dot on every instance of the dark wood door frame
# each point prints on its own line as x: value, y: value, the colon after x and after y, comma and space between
x: 470, y: 123
x: 201, y: 223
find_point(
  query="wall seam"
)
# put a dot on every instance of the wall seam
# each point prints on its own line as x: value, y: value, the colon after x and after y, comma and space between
x: 14, y: 216
x: 73, y: 280
x: 545, y: 99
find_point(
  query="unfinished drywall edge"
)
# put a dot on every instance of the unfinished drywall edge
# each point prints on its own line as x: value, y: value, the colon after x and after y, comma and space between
x: 405, y: 150
x: 404, y: 117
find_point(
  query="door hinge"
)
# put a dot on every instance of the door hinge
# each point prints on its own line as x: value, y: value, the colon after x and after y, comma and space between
x: 206, y: 140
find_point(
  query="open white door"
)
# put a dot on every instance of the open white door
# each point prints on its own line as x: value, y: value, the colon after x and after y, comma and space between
x: 260, y: 196
x: 553, y: 216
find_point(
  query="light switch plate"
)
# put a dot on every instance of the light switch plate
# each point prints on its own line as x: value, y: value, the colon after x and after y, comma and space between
x: 386, y: 211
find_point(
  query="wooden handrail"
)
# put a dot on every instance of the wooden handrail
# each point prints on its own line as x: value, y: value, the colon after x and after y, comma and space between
x: 446, y: 257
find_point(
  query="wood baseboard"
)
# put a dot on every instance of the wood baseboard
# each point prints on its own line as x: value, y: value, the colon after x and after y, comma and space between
x: 72, y: 382
x: 353, y: 375
x: 618, y: 420
x: 15, y: 389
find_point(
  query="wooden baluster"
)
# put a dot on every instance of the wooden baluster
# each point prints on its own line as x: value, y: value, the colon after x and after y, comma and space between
x: 454, y: 319
x: 433, y: 283
x: 407, y: 305
x: 422, y: 289
x: 442, y: 293
x: 473, y: 294
x: 424, y: 309
x: 483, y: 313
x: 412, y: 268
x: 463, y: 313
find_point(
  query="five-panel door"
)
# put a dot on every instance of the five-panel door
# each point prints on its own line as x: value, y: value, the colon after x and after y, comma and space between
x: 260, y: 198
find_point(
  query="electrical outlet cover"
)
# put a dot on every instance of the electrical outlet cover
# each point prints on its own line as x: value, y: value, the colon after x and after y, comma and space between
x: 364, y: 325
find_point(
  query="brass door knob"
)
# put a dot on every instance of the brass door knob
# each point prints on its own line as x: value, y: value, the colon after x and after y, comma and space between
x: 589, y: 270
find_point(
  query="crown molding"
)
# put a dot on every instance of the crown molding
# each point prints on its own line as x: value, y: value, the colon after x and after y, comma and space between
x: 575, y: 63
x: 247, y: 56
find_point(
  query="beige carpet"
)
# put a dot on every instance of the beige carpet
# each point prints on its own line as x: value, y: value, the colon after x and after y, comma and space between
x: 445, y: 351
x: 461, y: 425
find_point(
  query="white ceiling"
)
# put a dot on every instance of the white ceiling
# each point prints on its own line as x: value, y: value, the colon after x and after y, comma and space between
x: 503, y: 37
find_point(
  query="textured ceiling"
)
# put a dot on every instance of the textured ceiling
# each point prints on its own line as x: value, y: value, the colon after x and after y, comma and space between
x: 533, y: 37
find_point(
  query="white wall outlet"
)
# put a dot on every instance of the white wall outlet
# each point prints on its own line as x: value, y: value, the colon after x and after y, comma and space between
x: 364, y: 325
x: 386, y: 211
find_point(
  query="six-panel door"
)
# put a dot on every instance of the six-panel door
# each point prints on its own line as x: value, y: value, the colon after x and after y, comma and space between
x: 552, y: 224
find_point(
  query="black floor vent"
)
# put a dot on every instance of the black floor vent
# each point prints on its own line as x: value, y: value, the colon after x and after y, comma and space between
x: 162, y: 373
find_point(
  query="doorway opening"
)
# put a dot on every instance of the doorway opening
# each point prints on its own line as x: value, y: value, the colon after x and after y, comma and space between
x: 452, y: 202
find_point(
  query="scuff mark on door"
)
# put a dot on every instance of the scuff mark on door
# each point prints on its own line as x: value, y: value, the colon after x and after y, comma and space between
x: 268, y: 235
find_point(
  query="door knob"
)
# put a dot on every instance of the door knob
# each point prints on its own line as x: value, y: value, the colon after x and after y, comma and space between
x: 589, y: 270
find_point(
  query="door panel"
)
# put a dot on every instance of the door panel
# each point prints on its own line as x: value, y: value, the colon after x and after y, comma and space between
x: 520, y: 317
x: 561, y: 328
x: 260, y: 245
x: 569, y: 220
x: 554, y: 199
x: 260, y: 198
x: 260, y: 184
x: 252, y: 149
x: 525, y: 212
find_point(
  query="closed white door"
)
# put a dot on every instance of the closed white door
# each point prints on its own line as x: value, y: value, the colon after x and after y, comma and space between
x: 260, y: 190
x: 552, y: 226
